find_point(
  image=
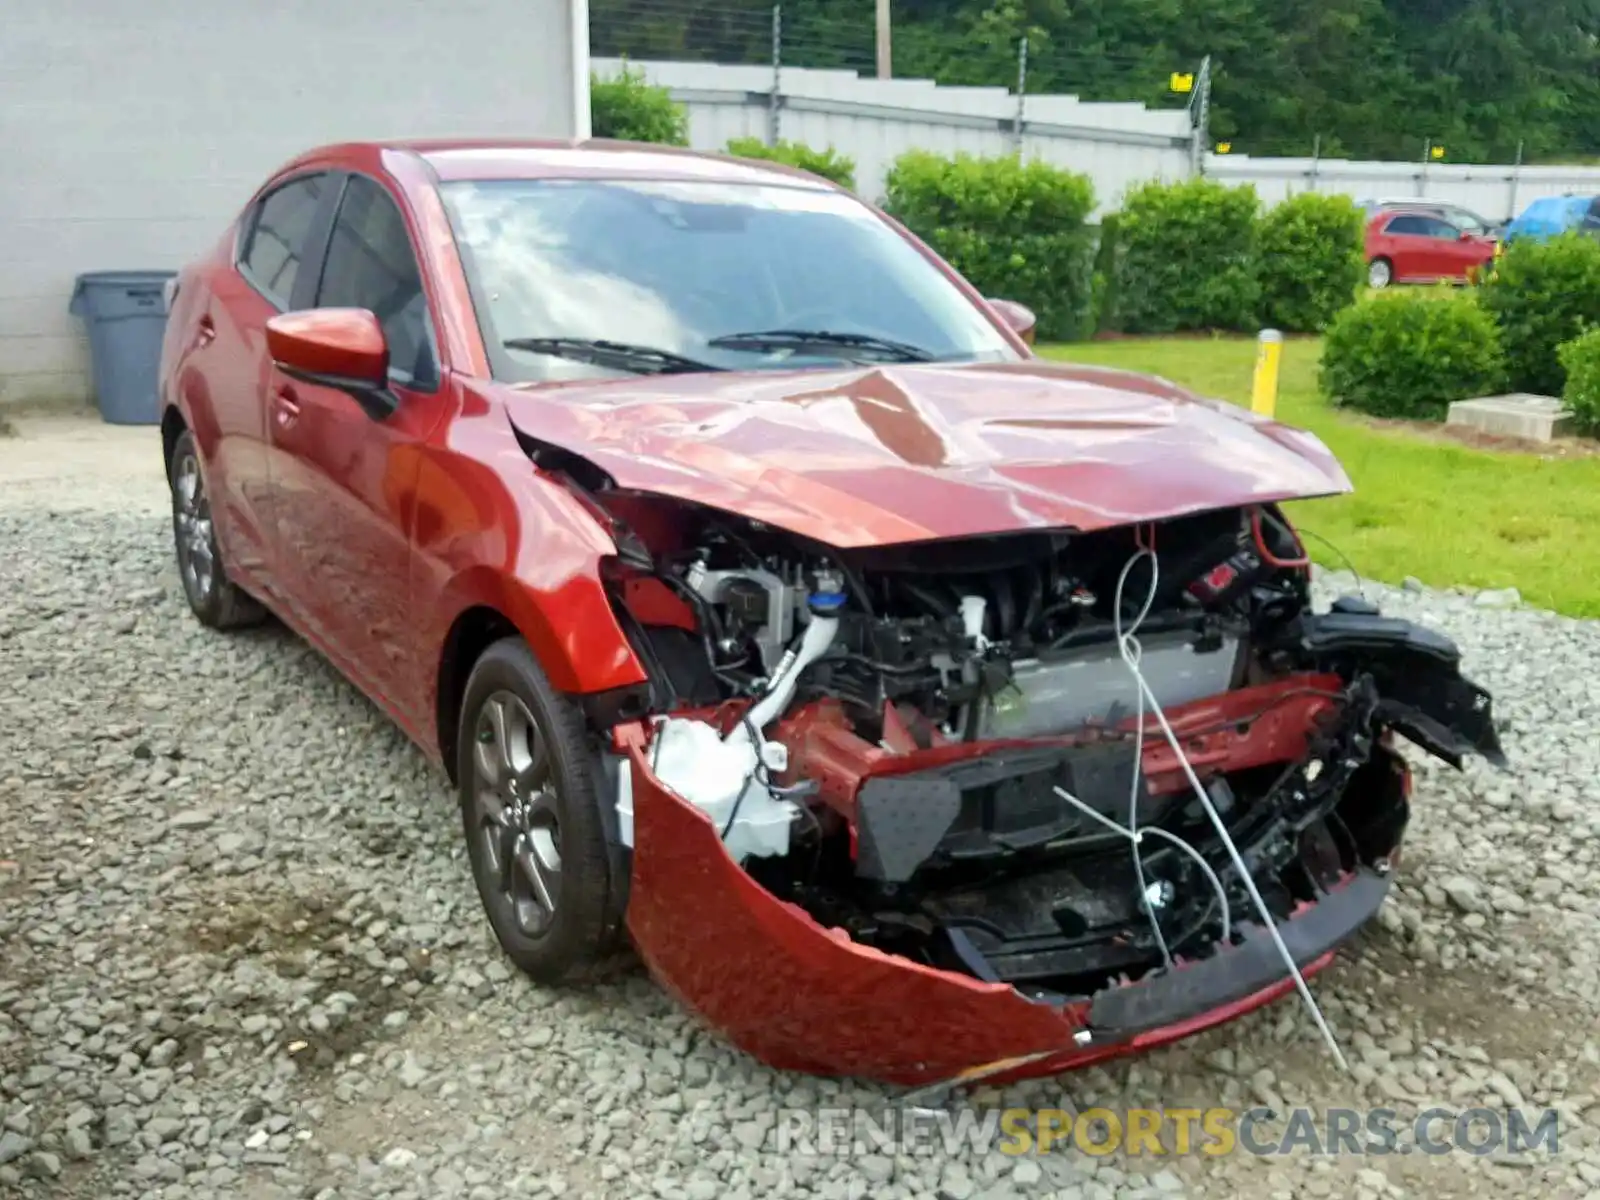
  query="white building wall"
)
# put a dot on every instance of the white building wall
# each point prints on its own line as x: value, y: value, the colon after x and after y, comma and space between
x: 131, y: 133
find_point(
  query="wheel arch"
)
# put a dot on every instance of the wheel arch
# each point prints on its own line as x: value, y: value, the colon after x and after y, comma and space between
x: 473, y: 631
x: 173, y: 427
x: 573, y: 633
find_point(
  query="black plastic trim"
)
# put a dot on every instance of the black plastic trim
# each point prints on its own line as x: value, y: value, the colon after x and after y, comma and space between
x: 1242, y: 970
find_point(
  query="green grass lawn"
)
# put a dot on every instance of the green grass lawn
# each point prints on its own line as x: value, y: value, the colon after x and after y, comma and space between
x: 1448, y: 514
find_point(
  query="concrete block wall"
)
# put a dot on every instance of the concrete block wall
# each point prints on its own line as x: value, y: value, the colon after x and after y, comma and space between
x: 132, y: 133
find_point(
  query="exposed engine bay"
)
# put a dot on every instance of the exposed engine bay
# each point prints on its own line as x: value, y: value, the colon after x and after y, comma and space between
x: 1058, y: 760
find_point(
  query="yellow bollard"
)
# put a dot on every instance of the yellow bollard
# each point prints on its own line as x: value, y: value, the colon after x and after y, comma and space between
x: 1264, y: 390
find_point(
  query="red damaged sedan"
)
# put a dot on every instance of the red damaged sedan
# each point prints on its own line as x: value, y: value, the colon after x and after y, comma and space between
x: 916, y: 707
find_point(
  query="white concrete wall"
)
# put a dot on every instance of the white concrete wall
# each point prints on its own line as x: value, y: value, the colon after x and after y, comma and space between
x: 131, y: 131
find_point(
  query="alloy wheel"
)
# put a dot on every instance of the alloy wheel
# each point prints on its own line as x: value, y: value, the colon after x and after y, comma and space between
x: 516, y: 811
x: 191, y: 510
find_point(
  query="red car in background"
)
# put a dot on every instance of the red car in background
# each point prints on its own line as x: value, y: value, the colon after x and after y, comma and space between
x: 1405, y: 246
x: 915, y: 705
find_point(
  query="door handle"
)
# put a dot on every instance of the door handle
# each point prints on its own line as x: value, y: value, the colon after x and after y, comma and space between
x: 205, y: 332
x: 285, y: 406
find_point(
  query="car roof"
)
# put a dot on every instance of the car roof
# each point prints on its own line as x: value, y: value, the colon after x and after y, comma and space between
x: 1418, y: 204
x: 481, y: 158
x: 1416, y: 200
x: 1390, y: 212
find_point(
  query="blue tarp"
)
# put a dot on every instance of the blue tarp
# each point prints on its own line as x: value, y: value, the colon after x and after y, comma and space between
x: 1555, y: 215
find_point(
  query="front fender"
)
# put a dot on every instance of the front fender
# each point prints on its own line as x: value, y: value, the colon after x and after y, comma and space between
x: 569, y: 625
x: 491, y: 532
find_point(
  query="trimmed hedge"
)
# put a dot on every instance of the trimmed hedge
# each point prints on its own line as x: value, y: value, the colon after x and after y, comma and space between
x: 1310, y: 260
x: 1542, y: 294
x: 1187, y: 257
x: 1014, y: 229
x: 829, y: 163
x: 631, y: 110
x: 1104, y: 284
x: 1580, y: 358
x: 1411, y: 354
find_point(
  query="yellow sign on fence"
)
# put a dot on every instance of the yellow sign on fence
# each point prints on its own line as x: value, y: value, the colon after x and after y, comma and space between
x: 1182, y: 82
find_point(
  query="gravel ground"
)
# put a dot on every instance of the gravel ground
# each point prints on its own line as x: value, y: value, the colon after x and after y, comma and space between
x: 240, y: 954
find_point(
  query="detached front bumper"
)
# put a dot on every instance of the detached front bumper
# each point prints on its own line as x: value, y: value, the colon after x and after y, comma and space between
x: 802, y: 997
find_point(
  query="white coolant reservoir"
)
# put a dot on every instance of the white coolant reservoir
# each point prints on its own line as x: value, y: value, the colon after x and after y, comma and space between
x: 824, y: 605
x: 692, y: 759
x: 972, y: 610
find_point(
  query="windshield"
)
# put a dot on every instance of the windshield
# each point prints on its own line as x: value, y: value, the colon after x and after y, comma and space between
x: 677, y: 266
x: 1470, y: 221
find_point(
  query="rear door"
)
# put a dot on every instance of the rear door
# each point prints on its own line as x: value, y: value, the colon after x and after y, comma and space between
x: 343, y: 480
x: 1404, y: 242
x: 230, y: 354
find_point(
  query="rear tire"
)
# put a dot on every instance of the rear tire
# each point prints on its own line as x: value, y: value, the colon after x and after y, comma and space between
x: 530, y: 814
x: 214, y: 598
x: 1380, y: 273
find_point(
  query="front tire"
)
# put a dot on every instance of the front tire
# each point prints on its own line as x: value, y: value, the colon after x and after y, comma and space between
x: 531, y: 817
x: 214, y: 598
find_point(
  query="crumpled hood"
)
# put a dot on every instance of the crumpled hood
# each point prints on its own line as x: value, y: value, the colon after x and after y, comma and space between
x: 877, y: 455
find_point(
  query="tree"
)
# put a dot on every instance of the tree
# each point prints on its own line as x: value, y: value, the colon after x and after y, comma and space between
x: 1371, y: 78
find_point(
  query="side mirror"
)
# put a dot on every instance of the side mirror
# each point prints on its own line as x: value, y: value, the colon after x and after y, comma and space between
x: 1018, y: 316
x: 1465, y: 236
x: 340, y: 348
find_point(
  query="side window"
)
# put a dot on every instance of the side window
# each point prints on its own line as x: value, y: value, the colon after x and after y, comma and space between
x: 277, y: 238
x: 1443, y: 230
x: 1415, y: 226
x: 371, y: 265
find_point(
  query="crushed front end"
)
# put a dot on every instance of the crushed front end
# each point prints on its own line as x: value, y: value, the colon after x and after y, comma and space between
x: 911, y: 811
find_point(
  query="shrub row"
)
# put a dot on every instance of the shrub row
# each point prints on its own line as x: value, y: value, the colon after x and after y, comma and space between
x: 1014, y: 229
x: 829, y: 164
x: 1580, y: 358
x: 1541, y: 295
x: 1410, y: 354
x: 1198, y: 255
x: 629, y: 109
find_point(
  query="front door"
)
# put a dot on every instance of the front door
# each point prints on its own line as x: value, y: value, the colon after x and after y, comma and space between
x: 1453, y: 257
x: 343, y: 479
x: 229, y: 355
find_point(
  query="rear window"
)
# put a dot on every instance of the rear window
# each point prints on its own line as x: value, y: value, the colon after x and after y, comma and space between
x: 1408, y: 224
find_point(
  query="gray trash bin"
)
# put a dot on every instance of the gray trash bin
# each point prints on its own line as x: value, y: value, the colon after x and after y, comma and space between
x: 126, y: 320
